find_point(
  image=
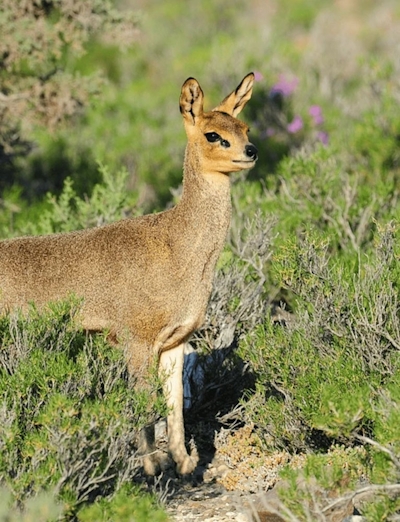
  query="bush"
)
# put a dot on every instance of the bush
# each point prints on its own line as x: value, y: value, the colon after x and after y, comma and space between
x: 42, y: 507
x: 41, y: 85
x: 343, y: 335
x: 69, y: 418
x: 108, y: 202
x: 327, y: 375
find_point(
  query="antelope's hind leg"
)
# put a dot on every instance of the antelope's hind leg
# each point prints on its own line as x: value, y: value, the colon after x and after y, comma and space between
x: 154, y: 460
x: 138, y: 357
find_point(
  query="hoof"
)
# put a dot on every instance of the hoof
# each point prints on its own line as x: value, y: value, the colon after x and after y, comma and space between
x: 156, y: 463
x: 188, y: 464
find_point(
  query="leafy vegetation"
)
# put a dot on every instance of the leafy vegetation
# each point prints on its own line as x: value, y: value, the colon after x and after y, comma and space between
x: 69, y: 417
x: 305, y: 306
x: 41, y: 84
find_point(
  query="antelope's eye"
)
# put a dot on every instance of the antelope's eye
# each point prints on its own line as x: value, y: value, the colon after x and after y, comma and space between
x: 212, y: 137
x: 225, y: 144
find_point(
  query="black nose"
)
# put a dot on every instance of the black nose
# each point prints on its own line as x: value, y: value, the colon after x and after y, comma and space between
x: 251, y: 152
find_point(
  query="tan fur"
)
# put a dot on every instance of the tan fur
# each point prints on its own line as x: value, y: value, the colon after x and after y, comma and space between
x: 146, y: 280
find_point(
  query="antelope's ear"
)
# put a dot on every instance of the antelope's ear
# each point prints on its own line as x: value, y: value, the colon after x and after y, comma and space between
x: 235, y: 102
x: 191, y: 101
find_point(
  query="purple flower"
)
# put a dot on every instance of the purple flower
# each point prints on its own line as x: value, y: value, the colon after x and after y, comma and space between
x: 269, y: 132
x: 323, y: 137
x: 295, y: 126
x: 258, y: 76
x: 315, y: 112
x: 284, y: 86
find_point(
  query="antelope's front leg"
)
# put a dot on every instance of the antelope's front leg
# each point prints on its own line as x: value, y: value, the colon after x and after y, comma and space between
x: 171, y: 371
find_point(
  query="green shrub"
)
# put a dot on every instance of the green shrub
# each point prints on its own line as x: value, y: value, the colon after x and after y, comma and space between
x: 43, y: 507
x: 330, y: 373
x: 69, y: 416
x: 108, y: 202
x: 40, y: 85
x: 343, y: 336
x: 126, y: 506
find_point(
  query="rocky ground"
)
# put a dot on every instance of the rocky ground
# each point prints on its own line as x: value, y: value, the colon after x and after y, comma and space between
x: 235, y: 483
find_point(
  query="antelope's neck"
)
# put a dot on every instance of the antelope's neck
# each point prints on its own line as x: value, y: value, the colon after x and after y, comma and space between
x: 206, y: 199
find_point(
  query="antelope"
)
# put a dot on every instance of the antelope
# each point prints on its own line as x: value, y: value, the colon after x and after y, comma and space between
x: 147, y: 280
